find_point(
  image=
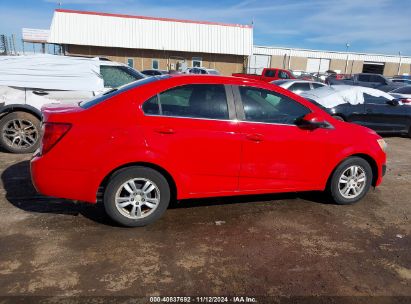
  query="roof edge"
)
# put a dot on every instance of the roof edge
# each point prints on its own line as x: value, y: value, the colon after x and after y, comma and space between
x: 151, y: 18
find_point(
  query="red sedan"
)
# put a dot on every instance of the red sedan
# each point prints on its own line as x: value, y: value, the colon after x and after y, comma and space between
x: 179, y: 137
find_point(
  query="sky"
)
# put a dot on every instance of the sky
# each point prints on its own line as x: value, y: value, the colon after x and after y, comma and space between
x: 375, y: 26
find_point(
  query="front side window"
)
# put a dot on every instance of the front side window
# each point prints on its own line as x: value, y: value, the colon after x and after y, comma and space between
x: 378, y: 79
x: 195, y: 101
x: 270, y: 107
x: 116, y: 76
x: 270, y: 73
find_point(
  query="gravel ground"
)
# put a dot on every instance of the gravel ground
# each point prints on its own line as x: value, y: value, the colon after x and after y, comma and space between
x: 279, y: 245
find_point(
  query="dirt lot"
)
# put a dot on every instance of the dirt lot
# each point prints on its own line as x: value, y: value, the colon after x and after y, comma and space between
x: 283, y: 245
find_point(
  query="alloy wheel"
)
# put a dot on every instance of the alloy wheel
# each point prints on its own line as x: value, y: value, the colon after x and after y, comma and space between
x: 352, y: 182
x: 137, y: 198
x: 20, y: 133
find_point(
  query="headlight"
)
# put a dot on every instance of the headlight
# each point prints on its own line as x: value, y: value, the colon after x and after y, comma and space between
x: 382, y: 143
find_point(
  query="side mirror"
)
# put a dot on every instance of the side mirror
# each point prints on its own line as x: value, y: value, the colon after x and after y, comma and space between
x: 393, y: 102
x: 312, y: 121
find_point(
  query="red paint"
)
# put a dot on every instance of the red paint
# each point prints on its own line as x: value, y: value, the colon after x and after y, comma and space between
x: 151, y: 18
x: 268, y: 75
x: 204, y: 157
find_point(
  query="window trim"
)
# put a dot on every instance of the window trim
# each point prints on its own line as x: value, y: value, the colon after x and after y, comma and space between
x: 240, y: 106
x: 229, y: 97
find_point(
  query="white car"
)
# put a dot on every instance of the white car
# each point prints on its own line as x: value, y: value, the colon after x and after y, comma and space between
x: 198, y: 70
x: 29, y: 82
x: 403, y: 94
x: 298, y: 86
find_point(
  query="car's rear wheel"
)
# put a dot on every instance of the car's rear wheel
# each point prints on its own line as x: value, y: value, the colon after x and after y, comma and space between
x: 20, y: 132
x: 350, y: 181
x: 136, y: 196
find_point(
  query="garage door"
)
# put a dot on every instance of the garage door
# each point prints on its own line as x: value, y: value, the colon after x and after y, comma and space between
x: 315, y: 64
x: 373, y: 67
x: 257, y: 63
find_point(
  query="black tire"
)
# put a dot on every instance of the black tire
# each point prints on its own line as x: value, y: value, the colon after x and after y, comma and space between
x: 338, y: 117
x: 23, y: 143
x: 334, y: 185
x: 115, y: 184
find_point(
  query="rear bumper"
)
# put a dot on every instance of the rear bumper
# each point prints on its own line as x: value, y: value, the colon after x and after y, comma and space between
x: 53, y: 181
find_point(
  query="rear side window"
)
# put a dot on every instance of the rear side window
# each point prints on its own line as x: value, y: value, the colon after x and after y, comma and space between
x: 299, y: 87
x: 374, y: 99
x: 363, y: 77
x: 403, y: 90
x: 196, y: 101
x: 270, y: 107
x: 115, y: 76
x: 283, y: 75
x: 317, y: 85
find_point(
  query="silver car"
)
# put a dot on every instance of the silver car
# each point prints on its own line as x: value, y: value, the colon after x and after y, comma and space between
x: 298, y: 86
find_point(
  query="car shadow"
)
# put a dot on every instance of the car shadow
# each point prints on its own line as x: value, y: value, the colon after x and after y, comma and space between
x: 21, y: 193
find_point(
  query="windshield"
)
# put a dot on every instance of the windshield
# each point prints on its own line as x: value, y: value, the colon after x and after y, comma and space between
x: 113, y: 92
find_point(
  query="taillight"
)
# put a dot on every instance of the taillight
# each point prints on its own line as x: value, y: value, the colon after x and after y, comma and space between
x: 406, y: 100
x: 52, y: 133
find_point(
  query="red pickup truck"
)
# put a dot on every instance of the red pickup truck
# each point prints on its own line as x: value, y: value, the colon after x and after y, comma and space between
x: 268, y: 75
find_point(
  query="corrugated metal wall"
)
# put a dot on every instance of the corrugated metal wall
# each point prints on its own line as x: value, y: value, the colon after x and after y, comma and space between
x: 328, y: 55
x: 82, y: 28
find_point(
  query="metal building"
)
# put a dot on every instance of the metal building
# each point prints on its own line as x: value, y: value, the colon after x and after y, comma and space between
x: 321, y: 61
x: 147, y: 42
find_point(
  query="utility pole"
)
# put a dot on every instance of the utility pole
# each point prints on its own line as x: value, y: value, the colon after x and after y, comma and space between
x: 347, y: 45
x: 399, y: 64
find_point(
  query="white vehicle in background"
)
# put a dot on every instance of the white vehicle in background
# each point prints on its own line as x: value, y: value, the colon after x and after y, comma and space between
x: 199, y: 70
x: 29, y: 82
x: 298, y: 86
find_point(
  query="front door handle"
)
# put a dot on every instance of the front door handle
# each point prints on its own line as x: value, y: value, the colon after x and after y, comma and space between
x: 255, y: 137
x: 40, y: 93
x: 164, y: 130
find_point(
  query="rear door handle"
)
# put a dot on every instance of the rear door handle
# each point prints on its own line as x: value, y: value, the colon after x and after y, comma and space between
x: 40, y: 93
x: 165, y: 130
x: 255, y: 137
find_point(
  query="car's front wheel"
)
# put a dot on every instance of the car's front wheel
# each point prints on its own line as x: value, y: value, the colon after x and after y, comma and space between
x: 20, y: 132
x: 136, y: 196
x: 350, y: 181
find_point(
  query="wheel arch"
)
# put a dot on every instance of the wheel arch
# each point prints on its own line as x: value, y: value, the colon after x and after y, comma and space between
x: 20, y: 108
x: 117, y: 170
x: 369, y: 159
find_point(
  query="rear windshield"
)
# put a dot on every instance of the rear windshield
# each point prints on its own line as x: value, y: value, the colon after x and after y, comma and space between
x: 113, y: 92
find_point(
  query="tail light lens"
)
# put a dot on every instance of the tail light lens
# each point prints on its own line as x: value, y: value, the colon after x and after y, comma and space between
x: 52, y: 134
x: 406, y: 100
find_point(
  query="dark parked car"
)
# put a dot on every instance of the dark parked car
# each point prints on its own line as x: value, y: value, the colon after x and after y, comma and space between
x: 371, y: 108
x: 374, y: 81
x: 154, y: 72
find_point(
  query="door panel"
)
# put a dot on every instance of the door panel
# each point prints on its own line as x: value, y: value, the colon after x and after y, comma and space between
x: 276, y: 154
x: 284, y: 157
x: 191, y: 130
